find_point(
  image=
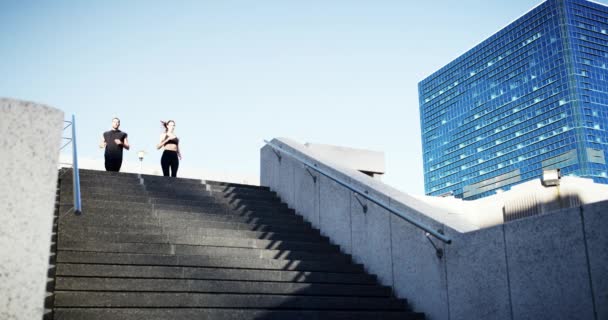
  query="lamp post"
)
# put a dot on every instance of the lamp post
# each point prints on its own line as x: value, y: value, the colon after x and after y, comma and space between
x: 140, y: 155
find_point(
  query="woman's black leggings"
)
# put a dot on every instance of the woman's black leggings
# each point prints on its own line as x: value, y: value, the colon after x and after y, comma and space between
x: 169, y: 160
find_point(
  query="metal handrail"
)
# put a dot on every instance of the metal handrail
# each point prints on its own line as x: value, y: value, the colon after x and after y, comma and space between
x: 75, y: 172
x: 429, y: 231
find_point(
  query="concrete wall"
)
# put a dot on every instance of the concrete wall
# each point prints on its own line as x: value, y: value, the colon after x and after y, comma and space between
x: 551, y: 266
x: 30, y: 135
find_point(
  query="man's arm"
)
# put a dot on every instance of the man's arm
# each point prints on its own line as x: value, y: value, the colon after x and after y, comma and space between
x: 126, y: 144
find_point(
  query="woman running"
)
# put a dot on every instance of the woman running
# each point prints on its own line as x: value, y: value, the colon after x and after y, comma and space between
x: 170, y: 143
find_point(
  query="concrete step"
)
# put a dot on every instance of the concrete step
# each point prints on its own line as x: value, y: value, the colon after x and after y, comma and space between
x: 233, y: 225
x: 205, y: 261
x: 248, y: 214
x: 117, y: 216
x: 180, y: 236
x: 75, y: 235
x: 201, y: 193
x: 170, y: 249
x: 221, y: 300
x: 277, y: 219
x: 240, y: 191
x: 118, y: 209
x: 110, y: 204
x: 172, y: 218
x: 103, y: 179
x: 172, y: 224
x: 235, y: 185
x: 227, y: 314
x: 266, y: 196
x: 189, y: 194
x: 217, y: 202
x: 103, y: 214
x: 243, y: 203
x: 270, y: 210
x: 91, y: 172
x: 177, y: 189
x: 140, y: 222
x: 208, y: 196
x: 104, y: 183
x: 109, y: 196
x: 67, y: 191
x: 93, y: 230
x: 219, y: 286
x: 233, y: 274
x: 169, y: 180
x: 167, y: 196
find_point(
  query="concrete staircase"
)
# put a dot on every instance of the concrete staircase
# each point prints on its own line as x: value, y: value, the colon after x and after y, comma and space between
x: 153, y: 247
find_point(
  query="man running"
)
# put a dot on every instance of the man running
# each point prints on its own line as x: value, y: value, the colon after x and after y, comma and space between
x: 114, y: 141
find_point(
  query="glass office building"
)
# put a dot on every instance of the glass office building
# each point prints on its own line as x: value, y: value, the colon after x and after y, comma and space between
x: 533, y: 96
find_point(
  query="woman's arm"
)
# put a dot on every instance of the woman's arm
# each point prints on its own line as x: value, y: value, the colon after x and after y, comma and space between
x: 163, y: 139
x: 160, y: 142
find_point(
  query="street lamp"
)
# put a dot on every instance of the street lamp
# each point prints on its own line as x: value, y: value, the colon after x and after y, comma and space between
x: 140, y: 155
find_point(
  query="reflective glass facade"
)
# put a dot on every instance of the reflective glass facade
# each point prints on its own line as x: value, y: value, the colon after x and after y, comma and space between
x: 533, y: 96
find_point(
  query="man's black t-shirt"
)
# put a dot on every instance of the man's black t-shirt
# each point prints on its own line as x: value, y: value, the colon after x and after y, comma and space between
x: 112, y: 149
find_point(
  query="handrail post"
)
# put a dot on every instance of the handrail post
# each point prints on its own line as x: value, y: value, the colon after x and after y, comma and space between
x: 75, y: 172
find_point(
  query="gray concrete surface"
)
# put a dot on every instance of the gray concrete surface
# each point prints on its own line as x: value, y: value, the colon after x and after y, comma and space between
x: 31, y: 136
x: 419, y: 274
x: 548, y: 271
x: 478, y: 286
x: 286, y: 188
x: 550, y: 266
x: 595, y: 217
x: 370, y: 239
x: 334, y: 208
x: 306, y: 201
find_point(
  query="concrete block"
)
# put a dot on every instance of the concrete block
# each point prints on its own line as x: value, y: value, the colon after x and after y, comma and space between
x: 334, y: 208
x: 419, y: 274
x: 31, y: 136
x: 306, y: 198
x: 478, y: 286
x: 595, y: 217
x: 548, y: 272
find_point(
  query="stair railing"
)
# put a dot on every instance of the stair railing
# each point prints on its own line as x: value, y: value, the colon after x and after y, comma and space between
x: 75, y: 173
x: 428, y: 230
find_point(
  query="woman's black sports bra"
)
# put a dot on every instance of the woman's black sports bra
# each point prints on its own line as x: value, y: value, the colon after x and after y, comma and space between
x: 174, y: 141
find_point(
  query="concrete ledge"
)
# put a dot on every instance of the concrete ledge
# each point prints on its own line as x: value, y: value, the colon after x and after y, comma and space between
x: 31, y: 134
x: 551, y: 265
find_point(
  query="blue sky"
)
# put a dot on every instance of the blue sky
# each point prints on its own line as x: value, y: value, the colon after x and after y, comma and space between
x: 233, y: 73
